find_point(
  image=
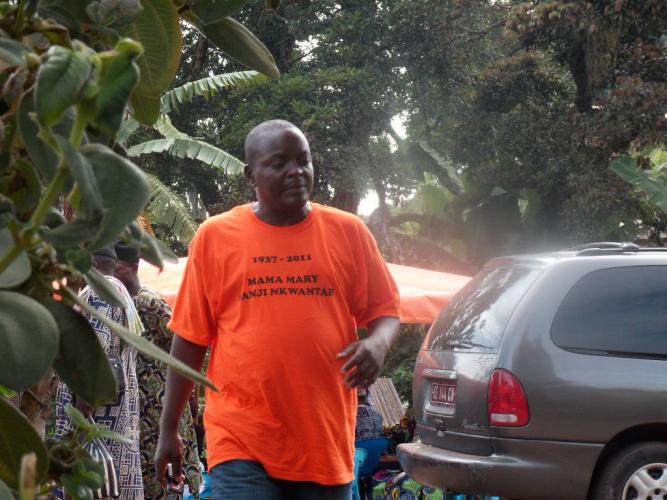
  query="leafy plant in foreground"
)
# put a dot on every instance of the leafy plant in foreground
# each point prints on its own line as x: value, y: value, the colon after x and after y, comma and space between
x: 69, y: 73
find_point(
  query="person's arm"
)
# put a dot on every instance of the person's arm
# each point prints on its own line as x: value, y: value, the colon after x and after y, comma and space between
x: 177, y: 393
x: 367, y: 356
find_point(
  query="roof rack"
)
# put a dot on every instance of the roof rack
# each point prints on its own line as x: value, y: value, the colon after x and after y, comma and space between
x: 613, y: 248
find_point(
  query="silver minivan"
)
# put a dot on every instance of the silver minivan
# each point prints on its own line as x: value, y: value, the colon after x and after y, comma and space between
x: 546, y: 377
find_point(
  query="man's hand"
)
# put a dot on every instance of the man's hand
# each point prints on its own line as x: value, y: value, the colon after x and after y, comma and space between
x: 366, y: 356
x: 176, y: 394
x: 365, y: 362
x: 169, y: 451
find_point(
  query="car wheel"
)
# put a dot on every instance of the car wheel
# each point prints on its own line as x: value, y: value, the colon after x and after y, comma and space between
x: 637, y: 472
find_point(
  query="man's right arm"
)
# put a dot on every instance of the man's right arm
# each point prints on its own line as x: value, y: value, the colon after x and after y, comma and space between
x: 177, y: 393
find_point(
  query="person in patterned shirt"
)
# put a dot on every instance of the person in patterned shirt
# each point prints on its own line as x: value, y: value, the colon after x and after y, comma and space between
x: 155, y: 314
x: 122, y: 414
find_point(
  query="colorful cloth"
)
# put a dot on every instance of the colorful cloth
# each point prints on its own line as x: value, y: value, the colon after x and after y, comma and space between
x: 155, y: 314
x: 369, y: 418
x: 278, y: 304
x: 122, y: 414
x: 399, y: 486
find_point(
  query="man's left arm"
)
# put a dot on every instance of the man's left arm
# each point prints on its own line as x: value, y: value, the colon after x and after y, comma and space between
x: 366, y: 356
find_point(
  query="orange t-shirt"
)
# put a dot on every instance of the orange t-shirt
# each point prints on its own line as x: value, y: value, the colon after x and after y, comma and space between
x: 278, y: 304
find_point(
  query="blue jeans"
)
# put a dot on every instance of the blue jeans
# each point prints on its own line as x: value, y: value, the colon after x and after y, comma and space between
x: 247, y: 480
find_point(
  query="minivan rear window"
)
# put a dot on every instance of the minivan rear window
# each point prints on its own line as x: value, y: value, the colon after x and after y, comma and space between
x: 619, y: 311
x: 475, y: 319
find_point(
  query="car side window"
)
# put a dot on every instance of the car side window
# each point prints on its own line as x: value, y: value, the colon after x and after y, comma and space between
x: 615, y: 312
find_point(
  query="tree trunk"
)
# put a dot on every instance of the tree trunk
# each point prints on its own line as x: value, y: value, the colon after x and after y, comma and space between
x: 199, y: 59
x: 580, y: 74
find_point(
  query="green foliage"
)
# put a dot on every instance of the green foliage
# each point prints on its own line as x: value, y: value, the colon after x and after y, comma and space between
x: 28, y: 357
x: 123, y: 187
x: 189, y: 148
x: 451, y: 178
x: 652, y: 182
x: 400, y: 362
x: 157, y: 29
x: 67, y: 90
x: 60, y: 80
x: 236, y: 41
x: 79, y: 474
x: 19, y: 270
x: 166, y: 207
x: 18, y: 438
x: 206, y: 88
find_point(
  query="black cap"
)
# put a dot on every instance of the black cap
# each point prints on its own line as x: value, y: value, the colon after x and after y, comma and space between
x: 127, y: 253
x: 106, y: 251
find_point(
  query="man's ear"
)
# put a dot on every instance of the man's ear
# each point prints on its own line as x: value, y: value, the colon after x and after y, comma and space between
x: 249, y: 173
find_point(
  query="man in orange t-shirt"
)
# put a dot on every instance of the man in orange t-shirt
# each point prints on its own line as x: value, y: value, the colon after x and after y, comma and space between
x: 277, y: 288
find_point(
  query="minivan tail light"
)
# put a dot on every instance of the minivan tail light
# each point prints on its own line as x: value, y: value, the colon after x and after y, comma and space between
x: 507, y: 403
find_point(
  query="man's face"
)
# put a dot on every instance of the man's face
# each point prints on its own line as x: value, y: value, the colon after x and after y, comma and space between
x: 282, y: 171
x: 125, y: 272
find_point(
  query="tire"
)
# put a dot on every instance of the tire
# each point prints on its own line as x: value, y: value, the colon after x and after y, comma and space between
x: 636, y: 472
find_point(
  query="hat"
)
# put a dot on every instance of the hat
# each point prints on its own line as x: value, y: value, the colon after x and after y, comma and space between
x: 106, y: 251
x: 127, y: 253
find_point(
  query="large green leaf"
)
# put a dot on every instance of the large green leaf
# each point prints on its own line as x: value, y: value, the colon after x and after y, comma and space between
x: 81, y: 362
x: 431, y: 200
x: 157, y: 29
x: 656, y: 192
x: 124, y: 188
x: 127, y: 128
x: 116, y: 85
x: 42, y: 155
x: 207, y: 88
x: 28, y: 340
x: 74, y: 232
x: 74, y: 9
x: 190, y: 148
x: 142, y: 345
x: 19, y: 270
x: 166, y: 207
x: 103, y: 288
x: 11, y: 53
x: 448, y: 176
x: 59, y: 81
x: 155, y: 252
x: 18, y: 438
x: 213, y: 10
x: 82, y: 171
x: 26, y: 188
x: 165, y: 126
x: 113, y: 12
x: 237, y: 42
x: 145, y: 108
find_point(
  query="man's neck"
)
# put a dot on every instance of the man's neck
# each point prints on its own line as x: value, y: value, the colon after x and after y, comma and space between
x: 278, y: 218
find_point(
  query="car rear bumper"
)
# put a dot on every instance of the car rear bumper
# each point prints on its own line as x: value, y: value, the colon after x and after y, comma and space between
x: 519, y: 468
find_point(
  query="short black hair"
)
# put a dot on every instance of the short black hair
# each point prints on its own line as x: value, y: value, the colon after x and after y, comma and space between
x: 127, y: 253
x: 104, y: 264
x: 254, y: 138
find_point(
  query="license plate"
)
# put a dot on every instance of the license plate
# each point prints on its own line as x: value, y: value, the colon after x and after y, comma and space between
x: 443, y: 393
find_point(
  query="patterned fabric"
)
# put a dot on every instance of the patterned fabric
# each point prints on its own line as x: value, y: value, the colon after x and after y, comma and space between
x: 369, y: 419
x: 369, y: 423
x: 155, y: 314
x: 122, y: 414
